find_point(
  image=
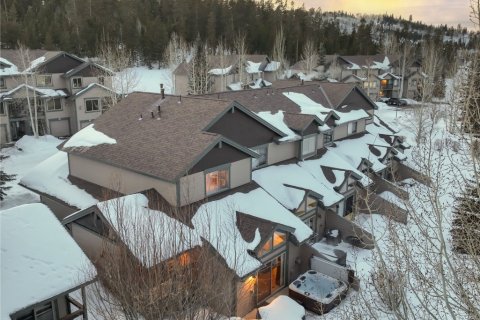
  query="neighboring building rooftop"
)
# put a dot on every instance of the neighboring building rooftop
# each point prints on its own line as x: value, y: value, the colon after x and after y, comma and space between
x: 40, y: 260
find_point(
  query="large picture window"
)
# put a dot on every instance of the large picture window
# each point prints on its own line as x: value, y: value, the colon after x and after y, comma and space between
x: 54, y: 105
x: 262, y: 160
x: 91, y: 105
x: 216, y: 181
x: 309, y: 145
x: 44, y: 80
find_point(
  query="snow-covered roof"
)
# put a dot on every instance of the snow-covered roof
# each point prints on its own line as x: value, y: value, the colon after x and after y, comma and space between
x: 307, y: 105
x: 220, y: 71
x: 288, y: 184
x: 282, y: 308
x: 277, y: 120
x: 384, y: 75
x: 43, y: 93
x: 35, y: 63
x: 236, y: 86
x: 89, y: 87
x: 354, y: 150
x: 88, y: 137
x: 253, y: 67
x: 350, y: 116
x: 272, y: 66
x: 151, y: 235
x: 51, y: 177
x: 216, y: 222
x: 39, y: 258
x: 10, y: 70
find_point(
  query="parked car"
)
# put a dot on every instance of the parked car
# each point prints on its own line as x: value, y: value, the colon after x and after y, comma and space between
x: 396, y: 102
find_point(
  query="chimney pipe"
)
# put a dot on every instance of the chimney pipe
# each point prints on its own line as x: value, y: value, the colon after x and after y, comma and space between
x: 153, y: 116
x: 162, y: 90
x: 302, y: 82
x: 159, y: 112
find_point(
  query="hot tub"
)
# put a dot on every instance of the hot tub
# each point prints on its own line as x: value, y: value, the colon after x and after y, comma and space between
x: 317, y: 292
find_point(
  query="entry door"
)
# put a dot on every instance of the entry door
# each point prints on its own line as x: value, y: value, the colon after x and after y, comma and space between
x: 18, y: 129
x: 271, y: 278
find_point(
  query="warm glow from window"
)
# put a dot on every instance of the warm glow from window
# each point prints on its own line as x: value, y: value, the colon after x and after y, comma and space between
x: 279, y: 238
x: 267, y: 247
x: 216, y: 181
x: 185, y: 259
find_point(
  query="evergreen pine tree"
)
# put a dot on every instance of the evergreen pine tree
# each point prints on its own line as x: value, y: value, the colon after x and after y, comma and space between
x: 4, y: 178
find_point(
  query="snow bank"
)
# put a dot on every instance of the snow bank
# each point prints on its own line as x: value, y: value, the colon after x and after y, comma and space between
x: 215, y: 221
x: 143, y: 79
x: 151, y: 235
x: 39, y: 258
x: 282, y: 308
x: 51, y: 177
x: 88, y: 137
x: 276, y: 120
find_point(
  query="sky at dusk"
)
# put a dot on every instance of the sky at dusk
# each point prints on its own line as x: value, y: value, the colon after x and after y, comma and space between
x: 451, y: 12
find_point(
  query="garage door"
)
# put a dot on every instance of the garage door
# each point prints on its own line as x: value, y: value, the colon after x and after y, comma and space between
x: 60, y: 128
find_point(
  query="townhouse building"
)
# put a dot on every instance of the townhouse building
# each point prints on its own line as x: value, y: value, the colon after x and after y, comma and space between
x: 275, y: 170
x: 64, y: 93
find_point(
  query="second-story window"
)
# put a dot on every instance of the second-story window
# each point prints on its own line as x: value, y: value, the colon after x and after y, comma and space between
x: 3, y: 107
x: 262, y: 160
x: 54, y: 105
x: 91, y: 105
x: 309, y: 145
x: 101, y: 80
x: 3, y: 85
x: 278, y: 239
x: 44, y: 80
x: 327, y: 137
x: 352, y: 127
x: 77, y: 82
x: 216, y: 181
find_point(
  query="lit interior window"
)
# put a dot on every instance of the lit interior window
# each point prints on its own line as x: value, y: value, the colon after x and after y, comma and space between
x: 216, y: 181
x: 279, y: 238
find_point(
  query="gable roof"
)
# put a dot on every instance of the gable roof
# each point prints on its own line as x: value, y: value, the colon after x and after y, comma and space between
x: 88, y: 88
x: 84, y: 65
x: 40, y: 260
x: 163, y: 146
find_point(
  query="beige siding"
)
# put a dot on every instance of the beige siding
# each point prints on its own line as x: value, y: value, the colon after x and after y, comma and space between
x: 125, y: 181
x: 192, y: 188
x: 361, y: 125
x: 319, y: 141
x: 340, y: 132
x: 281, y: 152
x: 240, y: 172
x: 181, y: 84
x: 58, y: 81
x: 245, y: 296
x: 82, y: 114
x: 90, y: 242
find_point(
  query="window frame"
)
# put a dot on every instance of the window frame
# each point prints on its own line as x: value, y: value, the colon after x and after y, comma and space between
x: 3, y: 107
x: 272, y: 246
x: 43, y: 83
x: 302, y: 149
x: 77, y: 86
x: 260, y: 164
x: 54, y: 109
x: 327, y: 133
x: 3, y: 83
x: 217, y: 169
x: 92, y: 99
x: 352, y: 127
x: 101, y: 80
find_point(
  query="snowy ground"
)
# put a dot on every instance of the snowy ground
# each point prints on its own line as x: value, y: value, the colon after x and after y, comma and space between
x: 26, y: 154
x: 149, y: 80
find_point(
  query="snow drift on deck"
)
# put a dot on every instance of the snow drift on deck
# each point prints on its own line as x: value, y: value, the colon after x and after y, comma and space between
x: 39, y: 258
x: 282, y: 308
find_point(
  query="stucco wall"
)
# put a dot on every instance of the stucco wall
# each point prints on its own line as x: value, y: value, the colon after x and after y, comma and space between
x: 125, y: 181
x: 245, y: 296
x: 281, y: 152
x: 181, y: 84
x: 90, y: 242
x: 82, y: 114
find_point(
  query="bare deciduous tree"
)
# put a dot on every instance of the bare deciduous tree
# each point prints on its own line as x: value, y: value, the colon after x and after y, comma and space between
x: 279, y: 52
x: 310, y: 56
x: 30, y: 81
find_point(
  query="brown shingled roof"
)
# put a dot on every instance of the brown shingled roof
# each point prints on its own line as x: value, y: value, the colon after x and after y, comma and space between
x: 297, y: 121
x: 162, y: 147
x: 13, y: 55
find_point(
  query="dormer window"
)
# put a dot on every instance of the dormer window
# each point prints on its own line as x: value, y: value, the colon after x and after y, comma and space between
x: 352, y: 127
x: 262, y: 160
x: 278, y: 239
x: 217, y: 180
x: 77, y: 83
x: 327, y: 137
x: 309, y: 145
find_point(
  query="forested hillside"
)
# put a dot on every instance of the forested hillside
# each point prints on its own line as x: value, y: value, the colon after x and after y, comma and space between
x: 145, y: 26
